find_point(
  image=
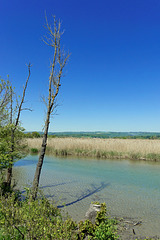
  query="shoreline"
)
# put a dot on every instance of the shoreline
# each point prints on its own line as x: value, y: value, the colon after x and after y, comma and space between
x: 128, y: 227
x: 137, y: 149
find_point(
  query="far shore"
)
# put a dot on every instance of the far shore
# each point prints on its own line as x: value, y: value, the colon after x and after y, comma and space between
x: 134, y: 149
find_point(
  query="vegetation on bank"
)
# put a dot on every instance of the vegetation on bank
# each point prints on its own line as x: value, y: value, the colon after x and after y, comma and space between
x: 40, y: 219
x: 134, y: 149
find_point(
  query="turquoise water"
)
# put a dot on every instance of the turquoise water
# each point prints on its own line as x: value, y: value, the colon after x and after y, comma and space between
x: 129, y: 188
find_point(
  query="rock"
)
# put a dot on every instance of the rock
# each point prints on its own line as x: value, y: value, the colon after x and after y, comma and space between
x: 92, y: 212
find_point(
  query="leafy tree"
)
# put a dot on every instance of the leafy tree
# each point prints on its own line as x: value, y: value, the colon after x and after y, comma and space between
x: 14, y: 128
x: 32, y: 135
x: 57, y: 66
x: 35, y: 135
x: 10, y: 131
x: 6, y: 156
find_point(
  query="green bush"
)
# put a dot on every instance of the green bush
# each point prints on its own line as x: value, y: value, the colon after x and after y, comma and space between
x: 86, y: 228
x: 32, y: 135
x: 40, y: 219
x: 153, y: 157
x: 34, y: 150
x: 33, y: 220
x: 105, y: 230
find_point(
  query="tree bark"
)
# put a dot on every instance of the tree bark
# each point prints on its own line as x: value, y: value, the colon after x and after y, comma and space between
x: 9, y: 170
x: 58, y: 63
x: 35, y: 184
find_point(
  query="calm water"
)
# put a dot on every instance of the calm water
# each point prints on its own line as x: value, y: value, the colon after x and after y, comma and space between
x: 129, y: 188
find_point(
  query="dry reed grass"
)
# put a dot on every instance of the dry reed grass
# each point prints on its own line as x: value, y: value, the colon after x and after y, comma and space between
x: 107, y: 148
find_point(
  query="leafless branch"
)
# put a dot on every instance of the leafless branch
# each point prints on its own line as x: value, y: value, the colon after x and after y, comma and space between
x: 23, y: 96
x: 56, y: 69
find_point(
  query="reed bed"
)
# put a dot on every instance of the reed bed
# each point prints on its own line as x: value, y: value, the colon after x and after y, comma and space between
x: 102, y: 148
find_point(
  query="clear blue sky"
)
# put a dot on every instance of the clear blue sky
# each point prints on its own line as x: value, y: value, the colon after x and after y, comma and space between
x: 112, y: 80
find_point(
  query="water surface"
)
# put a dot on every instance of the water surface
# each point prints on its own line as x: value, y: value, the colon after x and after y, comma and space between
x: 129, y: 188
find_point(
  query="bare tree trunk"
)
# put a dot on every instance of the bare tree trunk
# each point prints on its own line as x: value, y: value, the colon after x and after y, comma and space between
x: 4, y: 100
x: 9, y: 177
x: 9, y: 170
x: 57, y: 65
x: 41, y: 158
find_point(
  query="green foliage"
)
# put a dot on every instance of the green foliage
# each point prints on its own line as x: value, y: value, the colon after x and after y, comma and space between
x: 32, y: 135
x: 36, y: 135
x: 39, y: 219
x: 104, y: 227
x: 33, y: 220
x: 101, y: 215
x: 8, y: 155
x: 34, y: 150
x: 153, y: 157
x: 106, y: 230
x: 86, y: 228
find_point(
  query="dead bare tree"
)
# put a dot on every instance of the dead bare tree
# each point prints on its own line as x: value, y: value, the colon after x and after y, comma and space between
x: 4, y: 100
x: 53, y: 39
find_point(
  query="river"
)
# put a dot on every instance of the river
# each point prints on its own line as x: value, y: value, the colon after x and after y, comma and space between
x: 131, y: 189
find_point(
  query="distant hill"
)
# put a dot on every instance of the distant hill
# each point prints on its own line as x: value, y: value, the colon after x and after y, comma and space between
x: 99, y: 134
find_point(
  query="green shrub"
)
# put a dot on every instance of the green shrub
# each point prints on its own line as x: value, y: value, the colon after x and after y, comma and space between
x: 34, y: 150
x: 33, y: 220
x: 105, y: 230
x: 153, y: 157
x: 40, y: 219
x: 86, y: 228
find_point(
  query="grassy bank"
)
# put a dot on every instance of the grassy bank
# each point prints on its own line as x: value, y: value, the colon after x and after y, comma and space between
x: 136, y: 149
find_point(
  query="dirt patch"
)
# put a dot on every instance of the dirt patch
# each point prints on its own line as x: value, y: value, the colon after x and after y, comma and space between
x: 131, y: 229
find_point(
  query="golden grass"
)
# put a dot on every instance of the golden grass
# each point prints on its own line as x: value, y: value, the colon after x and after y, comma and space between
x: 106, y: 148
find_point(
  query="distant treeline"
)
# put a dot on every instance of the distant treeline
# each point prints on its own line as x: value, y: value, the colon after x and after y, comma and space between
x: 33, y: 134
x: 122, y: 135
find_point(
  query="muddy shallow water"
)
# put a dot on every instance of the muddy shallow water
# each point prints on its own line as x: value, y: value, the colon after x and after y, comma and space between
x: 131, y: 189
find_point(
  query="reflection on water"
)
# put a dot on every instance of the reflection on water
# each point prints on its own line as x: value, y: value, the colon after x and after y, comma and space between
x: 130, y: 189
